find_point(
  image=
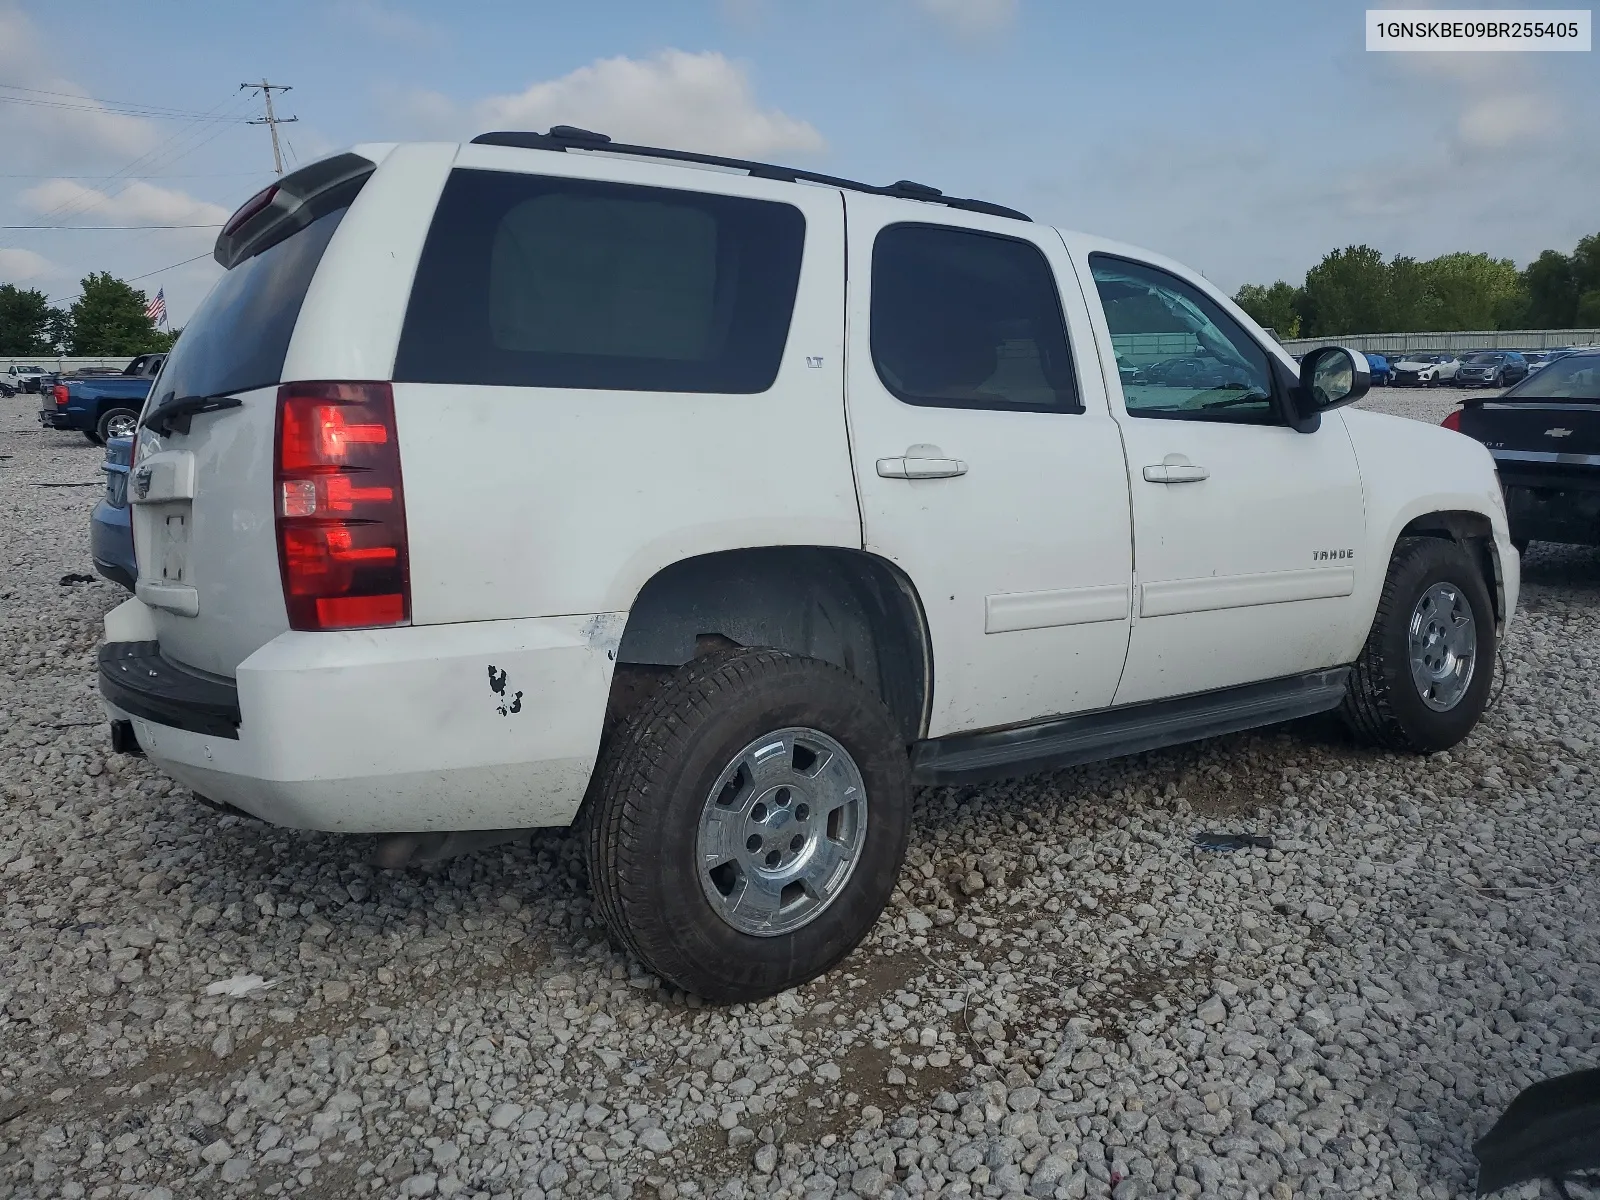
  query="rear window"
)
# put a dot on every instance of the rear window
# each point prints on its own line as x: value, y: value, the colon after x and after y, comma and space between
x: 534, y: 281
x: 240, y: 336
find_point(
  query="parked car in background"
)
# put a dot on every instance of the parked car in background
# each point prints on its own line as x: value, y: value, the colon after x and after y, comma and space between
x: 1544, y: 434
x: 101, y: 407
x: 1378, y: 365
x: 777, y: 597
x: 110, y: 526
x: 1424, y: 370
x: 1492, y: 368
x: 25, y: 379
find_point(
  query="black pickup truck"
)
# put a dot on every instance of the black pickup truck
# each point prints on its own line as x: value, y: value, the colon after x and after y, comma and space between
x: 1545, y: 437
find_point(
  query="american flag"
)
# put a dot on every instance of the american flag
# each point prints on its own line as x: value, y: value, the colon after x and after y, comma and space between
x: 156, y: 310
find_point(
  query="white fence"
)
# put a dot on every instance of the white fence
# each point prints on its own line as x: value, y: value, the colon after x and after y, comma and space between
x: 63, y: 365
x: 1483, y: 339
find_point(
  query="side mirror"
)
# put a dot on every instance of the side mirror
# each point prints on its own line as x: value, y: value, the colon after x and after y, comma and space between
x: 1331, y: 377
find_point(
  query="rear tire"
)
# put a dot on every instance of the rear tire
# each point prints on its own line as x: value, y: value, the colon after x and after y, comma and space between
x: 663, y: 797
x: 1409, y: 690
x: 116, y: 422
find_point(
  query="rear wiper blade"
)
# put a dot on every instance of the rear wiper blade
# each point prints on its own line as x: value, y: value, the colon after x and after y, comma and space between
x: 174, y: 415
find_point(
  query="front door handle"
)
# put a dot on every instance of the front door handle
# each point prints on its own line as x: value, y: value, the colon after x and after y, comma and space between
x: 1175, y: 472
x: 921, y: 468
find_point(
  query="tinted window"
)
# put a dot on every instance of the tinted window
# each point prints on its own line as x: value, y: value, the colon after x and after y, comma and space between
x: 533, y: 281
x: 238, y: 338
x: 1576, y: 377
x: 1191, y: 360
x: 1486, y: 359
x: 963, y: 319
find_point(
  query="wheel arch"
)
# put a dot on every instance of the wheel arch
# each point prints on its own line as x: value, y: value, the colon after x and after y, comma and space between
x: 1474, y: 531
x: 847, y: 607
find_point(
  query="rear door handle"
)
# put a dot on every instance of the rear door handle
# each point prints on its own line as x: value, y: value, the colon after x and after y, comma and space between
x: 1175, y: 473
x: 921, y: 468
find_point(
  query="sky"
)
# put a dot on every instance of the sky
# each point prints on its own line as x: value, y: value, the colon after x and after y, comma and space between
x: 1244, y: 138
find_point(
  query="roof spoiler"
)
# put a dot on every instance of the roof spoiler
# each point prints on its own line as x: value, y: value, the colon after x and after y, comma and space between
x: 288, y: 206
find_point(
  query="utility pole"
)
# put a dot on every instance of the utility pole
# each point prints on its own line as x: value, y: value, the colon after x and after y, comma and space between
x: 270, y: 121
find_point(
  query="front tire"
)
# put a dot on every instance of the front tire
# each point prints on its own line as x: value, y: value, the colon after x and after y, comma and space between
x: 1423, y: 678
x: 748, y: 823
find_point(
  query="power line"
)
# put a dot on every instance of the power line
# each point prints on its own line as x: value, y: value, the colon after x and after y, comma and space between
x: 132, y: 104
x: 218, y: 225
x: 195, y: 175
x: 136, y: 278
x: 163, y: 154
x: 142, y: 114
x: 270, y: 121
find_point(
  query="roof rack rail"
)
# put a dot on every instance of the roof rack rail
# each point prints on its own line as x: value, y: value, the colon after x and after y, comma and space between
x: 562, y: 138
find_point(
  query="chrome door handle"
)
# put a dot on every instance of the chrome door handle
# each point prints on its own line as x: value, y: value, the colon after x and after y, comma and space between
x: 921, y: 468
x: 1175, y: 473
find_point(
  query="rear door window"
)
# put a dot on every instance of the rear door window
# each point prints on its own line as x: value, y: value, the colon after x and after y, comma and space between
x: 965, y: 319
x: 239, y: 337
x: 537, y: 281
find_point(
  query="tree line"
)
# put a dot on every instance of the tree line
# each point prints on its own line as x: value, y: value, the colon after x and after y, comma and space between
x: 1355, y: 291
x: 108, y: 318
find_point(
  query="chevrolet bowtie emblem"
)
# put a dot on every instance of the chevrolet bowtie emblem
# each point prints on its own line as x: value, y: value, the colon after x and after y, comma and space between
x: 1558, y: 432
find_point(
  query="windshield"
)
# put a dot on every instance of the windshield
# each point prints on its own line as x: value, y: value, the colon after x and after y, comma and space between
x: 1575, y: 377
x: 1486, y: 359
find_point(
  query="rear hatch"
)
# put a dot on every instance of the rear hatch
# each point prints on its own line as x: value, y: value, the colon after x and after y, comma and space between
x: 201, y: 487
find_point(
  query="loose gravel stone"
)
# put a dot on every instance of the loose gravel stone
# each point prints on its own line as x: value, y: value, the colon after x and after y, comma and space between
x: 1063, y: 998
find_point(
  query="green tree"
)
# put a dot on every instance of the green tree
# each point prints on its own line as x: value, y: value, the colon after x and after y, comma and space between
x: 109, y: 318
x: 1552, y: 291
x: 25, y: 326
x: 1347, y: 292
x: 1277, y: 307
x: 1408, y: 300
x: 1469, y: 291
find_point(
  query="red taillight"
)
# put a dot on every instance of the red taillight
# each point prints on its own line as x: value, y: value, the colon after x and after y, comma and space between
x: 60, y: 393
x: 340, y: 507
x: 250, y: 208
x: 1453, y: 421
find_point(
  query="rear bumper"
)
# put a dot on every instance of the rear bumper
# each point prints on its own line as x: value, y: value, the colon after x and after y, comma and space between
x: 1557, y: 510
x: 56, y: 418
x: 392, y: 730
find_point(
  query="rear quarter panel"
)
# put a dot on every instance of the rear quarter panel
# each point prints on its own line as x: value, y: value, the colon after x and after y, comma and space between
x: 524, y: 502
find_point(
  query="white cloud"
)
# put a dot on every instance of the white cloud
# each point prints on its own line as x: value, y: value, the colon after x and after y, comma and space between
x: 139, y: 203
x: 20, y: 266
x: 971, y: 18
x: 686, y: 101
x: 40, y: 127
x: 1498, y: 121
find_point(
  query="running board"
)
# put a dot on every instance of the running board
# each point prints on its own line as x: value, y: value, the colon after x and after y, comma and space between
x: 1114, y: 732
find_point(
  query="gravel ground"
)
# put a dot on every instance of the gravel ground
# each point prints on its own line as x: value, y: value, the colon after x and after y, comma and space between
x: 1064, y: 1000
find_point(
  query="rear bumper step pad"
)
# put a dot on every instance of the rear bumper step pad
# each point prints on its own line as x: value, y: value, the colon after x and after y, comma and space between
x: 138, y: 680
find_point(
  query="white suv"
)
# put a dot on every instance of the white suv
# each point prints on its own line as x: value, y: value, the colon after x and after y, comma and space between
x: 717, y: 504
